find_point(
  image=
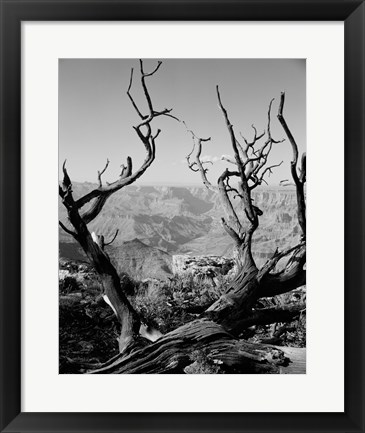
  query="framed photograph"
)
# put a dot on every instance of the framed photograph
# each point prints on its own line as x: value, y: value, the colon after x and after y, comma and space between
x: 199, y: 150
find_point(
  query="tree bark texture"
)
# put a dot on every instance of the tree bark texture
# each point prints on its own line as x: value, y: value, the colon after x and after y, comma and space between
x: 172, y: 353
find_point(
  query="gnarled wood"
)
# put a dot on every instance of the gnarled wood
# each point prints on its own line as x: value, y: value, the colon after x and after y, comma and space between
x: 127, y: 316
x: 172, y: 353
x: 233, y: 309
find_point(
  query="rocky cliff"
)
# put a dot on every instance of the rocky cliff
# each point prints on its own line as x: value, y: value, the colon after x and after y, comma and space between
x: 182, y: 220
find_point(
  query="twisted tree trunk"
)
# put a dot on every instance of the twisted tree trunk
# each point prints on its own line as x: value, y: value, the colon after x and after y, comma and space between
x: 173, y: 352
x: 127, y: 316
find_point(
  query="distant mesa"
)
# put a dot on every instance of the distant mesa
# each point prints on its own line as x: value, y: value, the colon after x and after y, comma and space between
x: 141, y: 261
x: 136, y: 242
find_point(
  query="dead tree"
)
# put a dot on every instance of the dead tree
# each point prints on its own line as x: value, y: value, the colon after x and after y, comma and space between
x: 235, y: 309
x: 214, y: 332
x: 92, y: 244
x: 218, y: 329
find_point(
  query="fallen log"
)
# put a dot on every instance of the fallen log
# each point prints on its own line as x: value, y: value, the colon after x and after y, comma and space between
x: 173, y: 352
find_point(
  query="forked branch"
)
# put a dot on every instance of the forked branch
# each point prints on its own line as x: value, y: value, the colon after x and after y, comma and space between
x: 93, y: 244
x: 100, y: 173
x: 198, y: 165
x: 250, y: 170
x: 299, y: 180
x: 127, y: 176
x: 113, y: 239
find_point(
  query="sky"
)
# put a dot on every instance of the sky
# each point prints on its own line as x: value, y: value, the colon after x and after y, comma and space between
x: 96, y: 117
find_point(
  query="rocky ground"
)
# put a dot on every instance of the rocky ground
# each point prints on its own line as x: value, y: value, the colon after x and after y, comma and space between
x: 88, y: 327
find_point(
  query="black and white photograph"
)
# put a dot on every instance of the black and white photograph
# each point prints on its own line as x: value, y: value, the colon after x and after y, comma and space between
x: 182, y: 216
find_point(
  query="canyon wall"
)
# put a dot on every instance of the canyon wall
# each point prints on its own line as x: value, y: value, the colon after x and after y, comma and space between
x: 182, y: 221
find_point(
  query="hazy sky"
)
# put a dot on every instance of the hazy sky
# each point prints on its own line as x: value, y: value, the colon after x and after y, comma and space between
x: 96, y: 116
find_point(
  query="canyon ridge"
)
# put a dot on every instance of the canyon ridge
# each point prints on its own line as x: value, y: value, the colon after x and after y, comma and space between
x: 156, y: 223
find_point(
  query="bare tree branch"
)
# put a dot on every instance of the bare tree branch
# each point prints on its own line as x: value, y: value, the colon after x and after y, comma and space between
x: 232, y: 136
x: 277, y: 256
x: 268, y: 170
x: 70, y: 232
x: 102, y: 193
x: 131, y: 98
x: 114, y: 237
x: 228, y: 206
x: 151, y: 73
x: 65, y: 190
x: 243, y: 187
x: 290, y: 137
x: 93, y: 245
x: 198, y: 163
x: 231, y: 232
x: 234, y: 308
x: 255, y: 138
x: 100, y: 173
x: 298, y: 180
x: 143, y: 81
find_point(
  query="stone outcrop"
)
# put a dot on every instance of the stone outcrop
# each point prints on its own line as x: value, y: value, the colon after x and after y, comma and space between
x: 202, y: 266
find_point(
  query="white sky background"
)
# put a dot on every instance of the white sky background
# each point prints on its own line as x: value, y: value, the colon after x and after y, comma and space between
x: 96, y: 116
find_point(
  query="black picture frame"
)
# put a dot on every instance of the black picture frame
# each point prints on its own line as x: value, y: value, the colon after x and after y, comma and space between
x: 13, y: 12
